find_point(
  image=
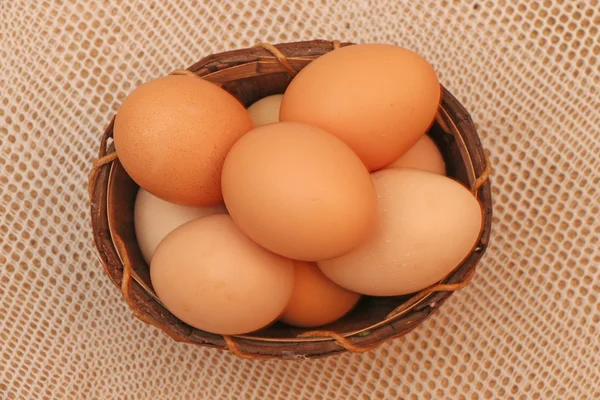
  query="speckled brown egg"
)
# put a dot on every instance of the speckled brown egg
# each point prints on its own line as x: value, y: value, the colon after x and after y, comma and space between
x: 172, y: 135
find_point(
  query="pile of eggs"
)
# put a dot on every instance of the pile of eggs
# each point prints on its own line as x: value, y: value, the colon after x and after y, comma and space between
x: 293, y: 208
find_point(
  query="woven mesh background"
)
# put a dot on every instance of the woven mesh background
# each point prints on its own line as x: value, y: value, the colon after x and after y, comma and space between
x: 527, y: 327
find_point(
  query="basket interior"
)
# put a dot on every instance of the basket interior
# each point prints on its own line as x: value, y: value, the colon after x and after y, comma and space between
x: 371, y: 310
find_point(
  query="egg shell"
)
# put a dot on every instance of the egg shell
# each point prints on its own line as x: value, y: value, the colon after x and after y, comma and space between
x: 299, y: 191
x: 428, y: 224
x: 212, y: 277
x: 378, y: 98
x: 424, y: 155
x: 266, y: 110
x: 316, y: 300
x: 172, y: 135
x: 155, y: 218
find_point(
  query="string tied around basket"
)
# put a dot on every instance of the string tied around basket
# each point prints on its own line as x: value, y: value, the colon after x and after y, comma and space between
x: 485, y: 175
x: 282, y: 58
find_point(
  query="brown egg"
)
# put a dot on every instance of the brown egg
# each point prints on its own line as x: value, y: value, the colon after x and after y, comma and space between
x: 316, y: 300
x: 424, y: 155
x: 427, y: 225
x: 172, y: 135
x: 212, y: 277
x: 378, y: 98
x: 299, y: 191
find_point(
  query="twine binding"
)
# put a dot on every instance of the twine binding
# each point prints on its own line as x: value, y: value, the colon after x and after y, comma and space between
x: 340, y: 340
x: 235, y: 350
x: 103, y: 159
x: 485, y: 175
x: 183, y: 72
x: 96, y: 167
x: 280, y: 57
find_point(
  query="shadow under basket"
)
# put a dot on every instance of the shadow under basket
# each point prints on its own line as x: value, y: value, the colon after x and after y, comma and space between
x: 251, y: 74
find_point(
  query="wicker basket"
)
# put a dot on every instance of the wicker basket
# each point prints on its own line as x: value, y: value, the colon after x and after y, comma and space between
x: 250, y: 74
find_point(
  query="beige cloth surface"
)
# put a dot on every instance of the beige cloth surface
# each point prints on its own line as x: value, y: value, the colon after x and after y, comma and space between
x: 527, y: 327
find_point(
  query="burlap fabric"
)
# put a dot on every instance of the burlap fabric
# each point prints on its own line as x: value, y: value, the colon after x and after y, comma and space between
x: 527, y: 327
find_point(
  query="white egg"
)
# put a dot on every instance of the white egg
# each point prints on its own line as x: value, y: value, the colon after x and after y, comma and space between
x: 266, y: 110
x: 424, y: 155
x: 155, y: 218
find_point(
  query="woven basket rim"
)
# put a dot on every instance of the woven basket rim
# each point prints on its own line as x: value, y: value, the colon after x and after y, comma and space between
x: 242, y: 64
